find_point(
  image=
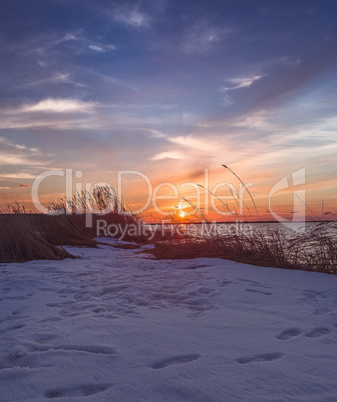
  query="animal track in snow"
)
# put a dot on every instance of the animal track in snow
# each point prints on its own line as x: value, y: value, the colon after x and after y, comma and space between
x: 310, y: 295
x: 258, y: 291
x: 12, y: 328
x: 263, y: 357
x: 175, y: 360
x: 249, y: 281
x: 73, y: 391
x: 51, y: 319
x: 289, y: 333
x: 321, y: 311
x: 254, y: 283
x: 63, y: 304
x: 44, y: 338
x: 195, y: 266
x: 318, y: 332
x: 224, y: 283
x: 96, y: 349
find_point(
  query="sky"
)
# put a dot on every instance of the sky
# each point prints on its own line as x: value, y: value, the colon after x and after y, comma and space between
x: 169, y: 89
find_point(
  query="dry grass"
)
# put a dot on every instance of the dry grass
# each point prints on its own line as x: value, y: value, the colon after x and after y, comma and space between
x: 313, y: 250
x: 21, y: 241
x: 64, y: 230
x: 97, y: 203
x: 25, y: 236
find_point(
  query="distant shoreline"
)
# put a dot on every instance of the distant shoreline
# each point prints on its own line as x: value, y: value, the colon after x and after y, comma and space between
x: 231, y: 223
x: 197, y: 223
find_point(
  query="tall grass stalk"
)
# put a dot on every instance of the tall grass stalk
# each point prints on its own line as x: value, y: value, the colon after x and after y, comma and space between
x: 314, y: 250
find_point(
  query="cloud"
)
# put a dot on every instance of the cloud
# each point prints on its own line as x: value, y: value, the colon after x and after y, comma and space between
x: 82, y: 115
x: 157, y: 133
x: 17, y: 176
x: 96, y: 48
x: 55, y: 79
x: 9, y: 143
x: 102, y: 48
x: 261, y: 120
x: 60, y: 106
x: 132, y: 17
x: 12, y: 159
x: 200, y: 38
x: 167, y: 155
x: 23, y: 185
x: 242, y: 82
x: 197, y: 144
x: 85, y: 43
x: 72, y: 36
x: 20, y: 161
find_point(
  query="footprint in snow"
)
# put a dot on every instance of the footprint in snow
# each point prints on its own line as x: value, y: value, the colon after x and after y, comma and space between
x: 321, y: 311
x: 44, y: 338
x: 175, y: 360
x: 258, y: 291
x: 12, y: 328
x: 310, y: 295
x: 95, y: 349
x: 51, y: 319
x: 224, y: 283
x: 249, y: 281
x: 318, y: 332
x: 289, y: 333
x: 264, y: 357
x: 79, y: 391
x: 257, y: 284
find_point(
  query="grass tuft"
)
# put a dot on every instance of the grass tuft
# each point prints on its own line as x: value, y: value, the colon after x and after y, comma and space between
x: 21, y: 241
x: 314, y: 250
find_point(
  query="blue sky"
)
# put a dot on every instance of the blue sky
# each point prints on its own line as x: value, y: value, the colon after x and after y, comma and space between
x: 169, y: 88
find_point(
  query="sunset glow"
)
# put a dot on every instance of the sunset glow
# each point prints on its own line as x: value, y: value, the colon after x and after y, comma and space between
x: 169, y: 89
x: 168, y: 200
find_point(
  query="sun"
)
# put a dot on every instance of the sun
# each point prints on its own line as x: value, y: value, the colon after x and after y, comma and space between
x: 181, y: 214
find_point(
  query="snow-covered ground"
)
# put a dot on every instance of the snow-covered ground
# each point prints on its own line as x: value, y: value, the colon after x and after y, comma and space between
x: 116, y: 325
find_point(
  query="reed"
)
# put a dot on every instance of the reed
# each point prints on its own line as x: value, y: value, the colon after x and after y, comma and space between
x: 313, y: 250
x: 21, y: 241
x: 26, y: 236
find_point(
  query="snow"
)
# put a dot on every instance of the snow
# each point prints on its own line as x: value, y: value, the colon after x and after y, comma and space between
x: 115, y: 325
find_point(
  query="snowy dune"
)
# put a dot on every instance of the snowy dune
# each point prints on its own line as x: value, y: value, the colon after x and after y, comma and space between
x: 115, y: 325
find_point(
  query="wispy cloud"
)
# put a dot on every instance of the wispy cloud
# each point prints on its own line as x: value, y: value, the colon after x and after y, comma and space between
x: 242, y: 82
x: 86, y: 43
x: 55, y: 79
x: 7, y: 143
x: 197, y: 144
x: 12, y: 154
x: 102, y: 48
x: 132, y: 17
x: 20, y: 162
x: 167, y: 155
x: 60, y: 106
x: 156, y: 133
x: 202, y: 37
x: 13, y: 159
x: 73, y: 35
x: 17, y: 176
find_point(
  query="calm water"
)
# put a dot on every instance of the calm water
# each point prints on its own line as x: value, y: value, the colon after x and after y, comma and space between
x: 290, y: 229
